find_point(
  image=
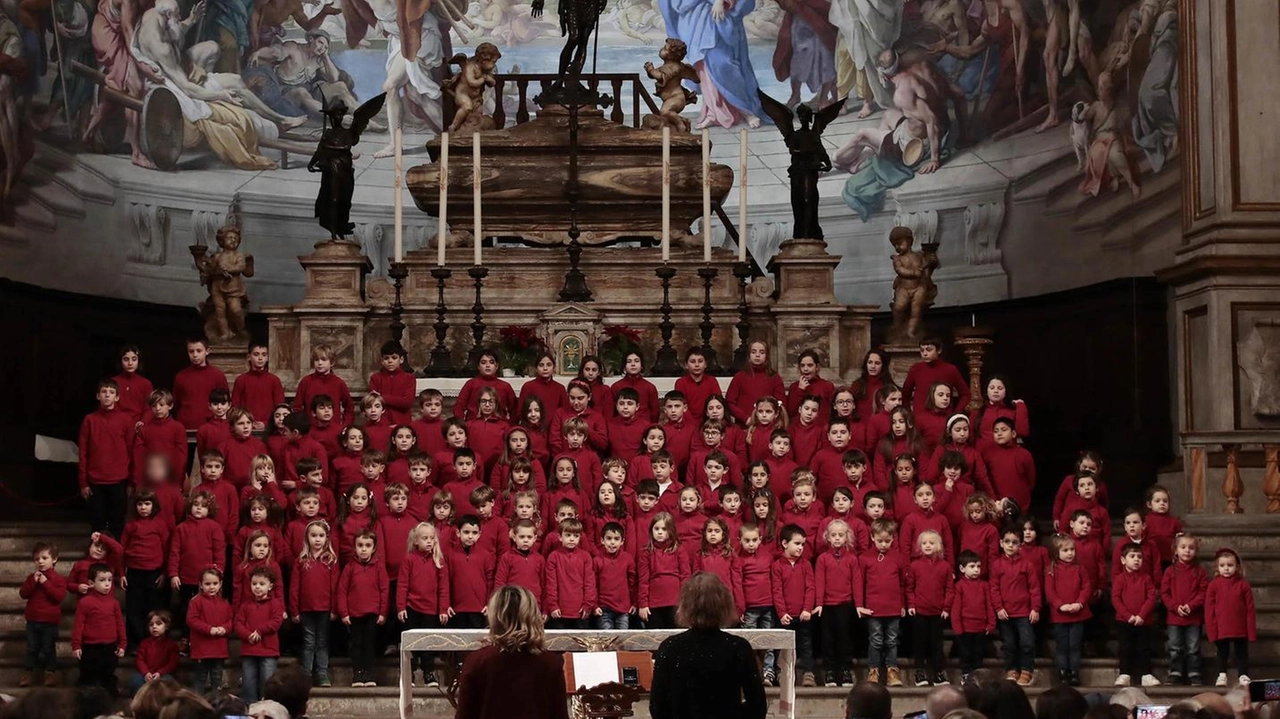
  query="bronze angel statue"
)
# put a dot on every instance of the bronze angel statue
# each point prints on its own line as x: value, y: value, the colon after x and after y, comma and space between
x: 335, y: 163
x: 808, y: 159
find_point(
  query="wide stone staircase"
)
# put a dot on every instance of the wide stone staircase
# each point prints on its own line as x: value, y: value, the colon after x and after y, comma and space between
x: 1257, y: 541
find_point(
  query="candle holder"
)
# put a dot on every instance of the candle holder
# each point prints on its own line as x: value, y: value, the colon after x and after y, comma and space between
x: 441, y: 358
x: 575, y: 283
x: 398, y: 272
x: 742, y: 270
x: 478, y: 274
x: 665, y: 363
x: 708, y: 275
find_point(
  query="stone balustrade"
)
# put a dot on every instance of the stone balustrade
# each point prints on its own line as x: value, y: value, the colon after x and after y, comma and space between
x: 1247, y: 463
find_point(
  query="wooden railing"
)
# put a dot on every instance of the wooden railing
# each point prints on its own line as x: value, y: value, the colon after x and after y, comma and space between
x: 611, y: 83
x: 1199, y: 447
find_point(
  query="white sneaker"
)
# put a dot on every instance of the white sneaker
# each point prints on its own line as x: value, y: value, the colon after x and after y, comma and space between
x: 1149, y: 680
x: 1222, y: 680
x: 1244, y: 680
x: 1124, y: 680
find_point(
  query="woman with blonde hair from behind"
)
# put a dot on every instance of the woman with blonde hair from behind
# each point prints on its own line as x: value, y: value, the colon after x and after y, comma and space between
x: 513, y: 676
x: 705, y: 672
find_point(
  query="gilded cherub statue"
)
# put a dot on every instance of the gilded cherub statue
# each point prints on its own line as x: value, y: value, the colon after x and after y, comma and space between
x: 223, y: 273
x: 913, y: 288
x: 475, y: 75
x: 668, y: 86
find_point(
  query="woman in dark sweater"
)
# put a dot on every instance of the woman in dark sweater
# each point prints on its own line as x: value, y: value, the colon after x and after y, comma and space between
x: 706, y: 673
x: 513, y: 677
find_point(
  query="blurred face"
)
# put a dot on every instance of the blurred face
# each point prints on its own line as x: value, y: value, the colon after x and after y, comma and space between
x: 689, y: 501
x: 44, y: 561
x: 750, y: 541
x: 1134, y: 527
x: 875, y: 364
x: 765, y: 413
x: 731, y: 504
x: 129, y: 362
x: 995, y: 391
x: 794, y: 547
x: 524, y: 538
x: 972, y: 570
x: 930, y: 545
x: 612, y: 542
x: 1159, y: 503
x: 260, y: 586
x: 883, y: 541
x: 632, y: 365
x: 803, y: 496
x: 469, y: 534
x: 210, y: 585
x: 808, y: 411
x: 758, y: 355
x: 196, y: 352
x: 713, y: 533
x: 1088, y: 465
x: 545, y: 368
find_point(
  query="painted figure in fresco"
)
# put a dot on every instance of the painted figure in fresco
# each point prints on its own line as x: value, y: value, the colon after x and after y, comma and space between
x: 73, y: 45
x: 635, y: 18
x: 717, y: 40
x: 292, y: 76
x: 922, y: 94
x: 111, y: 36
x: 226, y: 23
x: 805, y: 53
x: 809, y: 159
x: 865, y: 28
x: 14, y: 70
x: 335, y: 163
x: 667, y: 84
x: 1155, y: 123
x: 578, y: 21
x: 766, y: 22
x: 1001, y: 46
x: 1110, y: 157
x: 509, y: 23
x: 1067, y: 33
x: 266, y: 22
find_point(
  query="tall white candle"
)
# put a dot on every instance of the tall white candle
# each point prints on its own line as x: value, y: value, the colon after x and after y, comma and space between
x: 706, y: 196
x: 475, y: 206
x: 666, y: 193
x: 742, y: 196
x: 399, y: 206
x: 442, y: 231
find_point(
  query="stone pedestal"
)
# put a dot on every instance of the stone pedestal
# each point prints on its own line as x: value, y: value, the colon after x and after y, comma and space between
x: 805, y: 272
x: 901, y: 357
x: 974, y: 342
x: 232, y: 360
x: 335, y: 274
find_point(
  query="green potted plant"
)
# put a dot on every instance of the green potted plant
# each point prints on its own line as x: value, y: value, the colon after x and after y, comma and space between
x: 520, y: 347
x: 620, y: 340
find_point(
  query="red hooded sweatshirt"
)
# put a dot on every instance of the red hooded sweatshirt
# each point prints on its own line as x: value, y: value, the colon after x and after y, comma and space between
x: 1228, y: 610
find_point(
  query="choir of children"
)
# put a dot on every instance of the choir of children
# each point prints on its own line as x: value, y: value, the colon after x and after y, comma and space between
x: 853, y: 526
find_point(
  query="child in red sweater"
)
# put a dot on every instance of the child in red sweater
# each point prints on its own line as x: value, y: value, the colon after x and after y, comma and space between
x: 1070, y: 590
x: 974, y: 469
x: 679, y: 429
x: 363, y: 591
x: 794, y: 597
x: 1133, y: 595
x: 261, y: 514
x: 134, y: 388
x: 1183, y: 589
x: 615, y: 572
x: 835, y: 577
x: 972, y: 616
x: 197, y: 543
x: 422, y: 591
x: 106, y: 451
x: 359, y: 516
x: 257, y: 391
x: 753, y: 582
x: 146, y: 550
x: 1229, y: 616
x: 157, y: 656
x: 471, y: 570
x: 161, y: 434
x: 695, y: 384
x: 607, y: 508
x: 324, y: 381
x: 1011, y: 468
x: 1162, y: 525
x: 808, y: 434
x: 924, y: 519
x: 978, y: 532
x: 299, y: 447
x: 209, y: 617
x: 1016, y: 596
x: 396, y: 386
x: 522, y: 565
x: 882, y: 601
x: 259, y: 553
x: 690, y: 520
x: 1088, y: 461
x: 377, y: 426
x: 313, y: 599
x: 626, y: 427
x: 43, y: 590
x: 661, y: 571
x: 311, y: 479
x: 192, y: 385
x: 779, y: 464
x: 758, y: 379
x: 216, y: 427
x: 828, y: 463
x: 98, y: 638
x: 428, y: 424
x: 1085, y: 497
x: 1135, y: 531
x: 102, y: 549
x: 324, y: 429
x: 257, y: 624
x: 467, y: 404
x: 240, y: 448
x: 930, y: 594
x: 715, y: 553
x: 929, y: 370
x: 570, y: 587
x: 262, y: 483
x: 842, y: 509
x: 803, y: 510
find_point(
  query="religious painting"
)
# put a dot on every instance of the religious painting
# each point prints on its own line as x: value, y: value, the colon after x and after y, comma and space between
x: 1256, y: 333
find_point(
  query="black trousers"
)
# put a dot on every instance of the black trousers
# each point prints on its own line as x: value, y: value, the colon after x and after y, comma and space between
x: 417, y: 620
x: 661, y: 618
x: 837, y: 636
x: 971, y: 647
x: 186, y: 593
x: 141, y: 598
x: 1135, y: 649
x: 567, y: 623
x: 364, y: 636
x: 926, y: 641
x: 107, y: 507
x: 468, y: 620
x: 1241, y: 647
x: 98, y: 664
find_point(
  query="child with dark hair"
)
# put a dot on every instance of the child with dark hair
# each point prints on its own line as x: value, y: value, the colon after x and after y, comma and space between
x: 794, y: 597
x: 216, y: 428
x: 257, y: 624
x: 324, y: 381
x: 470, y: 576
x: 135, y: 390
x: 696, y: 384
x: 972, y: 616
x: 1229, y: 617
x: 1133, y: 595
x: 363, y: 593
x: 193, y: 385
x: 157, y: 656
x: 98, y: 637
x: 146, y: 549
x: 929, y: 370
x: 257, y: 390
x: 396, y: 386
x: 615, y: 572
x: 570, y: 587
x: 43, y: 590
x: 106, y: 450
x: 543, y: 385
x: 467, y: 404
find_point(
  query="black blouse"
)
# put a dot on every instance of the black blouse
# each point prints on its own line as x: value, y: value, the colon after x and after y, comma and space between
x: 706, y: 674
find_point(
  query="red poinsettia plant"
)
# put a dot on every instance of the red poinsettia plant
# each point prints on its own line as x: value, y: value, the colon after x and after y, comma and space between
x: 620, y: 340
x: 520, y: 346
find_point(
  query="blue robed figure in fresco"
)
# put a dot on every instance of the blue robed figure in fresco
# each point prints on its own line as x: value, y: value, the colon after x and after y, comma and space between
x: 717, y: 41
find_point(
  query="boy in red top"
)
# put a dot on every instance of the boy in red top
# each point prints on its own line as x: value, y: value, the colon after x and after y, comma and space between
x: 257, y: 390
x: 106, y: 454
x: 881, y: 599
x: 594, y: 429
x: 43, y: 590
x: 570, y: 587
x: 396, y: 386
x: 257, y: 624
x: 521, y: 565
x: 972, y: 616
x: 470, y: 576
x: 930, y: 594
x: 216, y: 428
x: 808, y: 434
x: 428, y: 426
x: 803, y: 510
x: 240, y: 449
x: 1133, y: 595
x: 1135, y: 531
x: 134, y: 388
x: 467, y: 405
x: 160, y: 433
x: 1017, y: 598
x: 809, y: 383
x: 493, y: 529
x: 324, y: 381
x: 98, y: 637
x: 1089, y: 552
x: 1162, y: 525
x: 794, y: 594
x: 835, y: 576
x: 696, y: 385
x: 828, y: 463
x: 324, y: 430
x: 363, y: 593
x: 780, y: 464
x: 1085, y: 497
x: 157, y: 656
x: 615, y: 573
x: 753, y: 575
x: 932, y: 368
x: 212, y: 465
x: 678, y: 429
x: 1011, y: 468
x: 1182, y: 589
x: 193, y: 385
x: 298, y: 447
x: 626, y: 427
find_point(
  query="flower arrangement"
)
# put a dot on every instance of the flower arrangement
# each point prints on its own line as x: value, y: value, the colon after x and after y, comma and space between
x: 620, y: 340
x: 520, y: 347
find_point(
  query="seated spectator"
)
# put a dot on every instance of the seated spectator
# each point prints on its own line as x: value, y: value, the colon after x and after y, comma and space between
x: 267, y: 709
x: 868, y: 701
x: 943, y: 700
x: 1061, y: 702
x: 291, y: 686
x: 186, y: 704
x: 152, y: 697
x: 1002, y: 699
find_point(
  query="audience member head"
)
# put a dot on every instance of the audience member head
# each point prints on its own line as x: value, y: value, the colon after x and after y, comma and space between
x: 186, y: 704
x: 226, y: 704
x: 267, y: 709
x: 1108, y: 711
x: 515, y: 622
x: 1061, y: 702
x: 943, y: 700
x: 40, y: 703
x: 1129, y: 697
x: 291, y: 686
x: 1002, y: 699
x: 152, y: 697
x: 868, y: 701
x: 93, y: 701
x: 963, y: 714
x: 705, y: 603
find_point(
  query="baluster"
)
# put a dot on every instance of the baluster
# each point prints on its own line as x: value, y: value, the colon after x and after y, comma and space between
x: 1271, y: 477
x: 522, y: 111
x: 616, y: 114
x: 1232, y: 487
x: 499, y: 111
x: 1193, y: 466
x: 635, y: 102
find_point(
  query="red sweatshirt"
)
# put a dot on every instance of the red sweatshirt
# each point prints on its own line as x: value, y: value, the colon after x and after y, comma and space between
x: 227, y: 497
x: 44, y: 599
x: 749, y: 385
x: 98, y: 621
x: 146, y: 542
x: 615, y: 581
x: 244, y: 575
x: 661, y: 571
x: 393, y: 539
x: 258, y: 391
x: 794, y: 587
x: 930, y: 586
x: 1184, y: 583
x: 1150, y: 559
x: 313, y: 587
x: 1068, y: 584
x: 932, y: 426
x: 884, y: 586
x: 980, y: 537
x: 135, y: 390
x: 294, y: 451
x: 602, y: 399
x: 758, y: 448
x: 859, y: 533
x: 430, y: 434
x: 548, y: 391
x: 1228, y: 610
x: 625, y: 436
x: 263, y: 616
x: 197, y: 544
x: 279, y: 547
x: 345, y: 541
x: 1161, y: 531
x: 523, y: 569
x: 836, y: 576
x: 316, y: 384
x: 471, y: 578
x: 239, y: 453
x: 1100, y: 530
x: 828, y: 467
x: 718, y: 564
x: 106, y: 447
x: 780, y: 469
x: 164, y: 436
x: 170, y: 504
x: 984, y: 418
x: 1091, y: 556
x: 422, y: 586
x: 379, y: 436
x: 157, y: 655
x: 971, y: 610
x: 468, y: 403
x: 191, y: 389
x: 398, y: 390
x: 753, y: 574
x: 570, y: 586
x: 1133, y: 594
x: 919, y: 522
x: 650, y: 406
x: 680, y: 442
x: 203, y: 614
x: 362, y: 589
x: 807, y: 441
x: 1012, y: 471
x: 821, y: 388
x: 975, y: 472
x: 486, y: 436
x: 921, y: 377
x: 696, y: 392
x: 1015, y: 586
x: 211, y: 434
x: 1068, y: 488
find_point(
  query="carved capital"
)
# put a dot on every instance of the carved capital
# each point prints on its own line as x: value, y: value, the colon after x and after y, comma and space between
x: 151, y: 233
x: 204, y: 226
x: 982, y: 223
x: 375, y: 244
x: 922, y: 223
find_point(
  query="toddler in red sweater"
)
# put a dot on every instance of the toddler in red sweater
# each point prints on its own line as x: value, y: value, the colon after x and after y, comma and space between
x: 98, y: 637
x: 661, y: 571
x: 1133, y: 595
x: 197, y: 544
x: 1162, y: 525
x: 1069, y: 587
x: 157, y: 656
x: 422, y: 591
x: 794, y: 597
x: 209, y: 617
x: 363, y: 593
x: 146, y: 549
x: 1016, y: 596
x: 972, y: 616
x: 570, y: 586
x: 313, y: 599
x: 1182, y: 589
x: 471, y: 570
x: 1229, y: 616
x: 930, y: 594
x: 257, y: 624
x: 523, y: 565
x: 615, y: 571
x: 753, y: 582
x: 835, y: 577
x: 43, y: 590
x: 882, y: 601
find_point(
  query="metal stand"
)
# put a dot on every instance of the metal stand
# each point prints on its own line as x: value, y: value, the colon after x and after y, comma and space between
x: 441, y: 358
x: 398, y: 272
x: 708, y: 275
x: 575, y: 283
x: 742, y: 270
x: 478, y: 274
x: 666, y: 364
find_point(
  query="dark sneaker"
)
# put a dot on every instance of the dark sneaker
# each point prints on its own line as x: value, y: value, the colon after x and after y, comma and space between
x: 829, y: 678
x: 921, y: 679
x: 939, y: 678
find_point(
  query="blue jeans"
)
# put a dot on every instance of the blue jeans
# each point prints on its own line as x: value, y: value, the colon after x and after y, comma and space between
x: 762, y: 618
x: 804, y: 643
x: 1184, y: 651
x: 315, y: 644
x: 255, y: 671
x: 610, y: 619
x: 136, y: 682
x: 1069, y: 638
x: 207, y: 676
x: 42, y: 638
x: 1018, y: 644
x: 882, y: 642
